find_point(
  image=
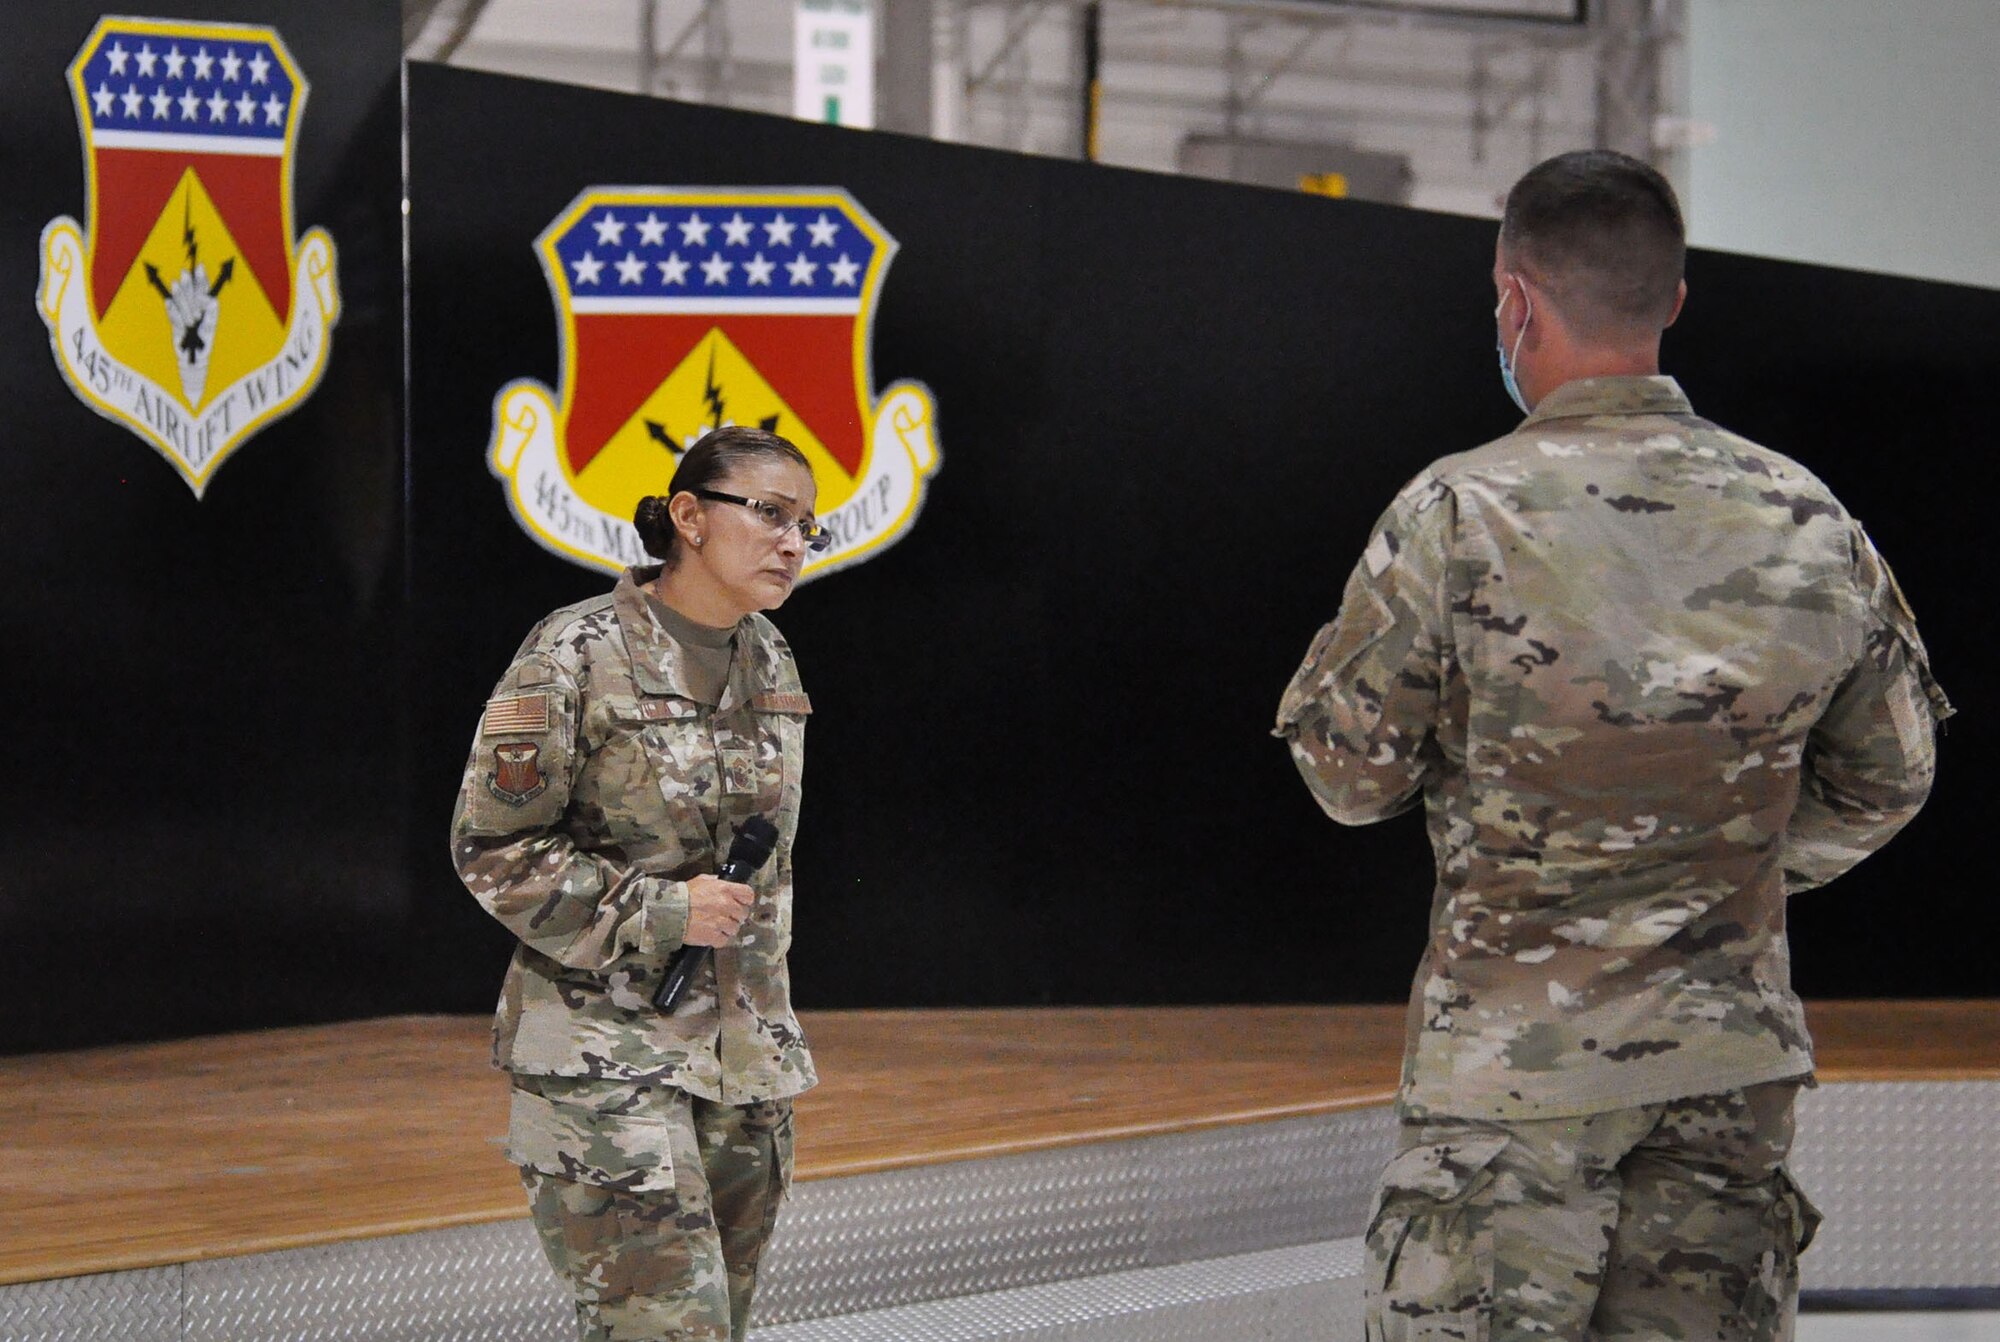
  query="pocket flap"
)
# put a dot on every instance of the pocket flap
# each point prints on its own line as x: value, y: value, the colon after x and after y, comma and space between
x: 589, y: 1146
x: 1799, y: 1211
x: 1363, y: 619
x: 1444, y: 1171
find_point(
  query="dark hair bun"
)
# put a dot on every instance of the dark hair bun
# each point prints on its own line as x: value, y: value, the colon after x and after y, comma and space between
x: 705, y: 466
x: 655, y: 526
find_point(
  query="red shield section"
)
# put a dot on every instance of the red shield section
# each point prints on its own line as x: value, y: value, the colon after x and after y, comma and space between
x: 135, y: 185
x: 808, y: 360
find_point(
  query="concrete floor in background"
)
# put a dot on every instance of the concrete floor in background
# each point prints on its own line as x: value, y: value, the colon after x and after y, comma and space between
x: 1931, y: 1326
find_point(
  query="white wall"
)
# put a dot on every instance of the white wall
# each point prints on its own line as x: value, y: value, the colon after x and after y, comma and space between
x: 1859, y: 133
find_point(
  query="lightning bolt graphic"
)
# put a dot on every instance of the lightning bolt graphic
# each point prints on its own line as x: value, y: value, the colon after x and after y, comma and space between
x: 711, y: 392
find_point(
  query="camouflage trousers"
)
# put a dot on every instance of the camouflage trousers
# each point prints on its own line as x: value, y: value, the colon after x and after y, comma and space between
x: 1672, y: 1221
x: 652, y: 1204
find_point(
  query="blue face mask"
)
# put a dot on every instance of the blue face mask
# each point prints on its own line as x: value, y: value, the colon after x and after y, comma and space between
x: 1506, y: 363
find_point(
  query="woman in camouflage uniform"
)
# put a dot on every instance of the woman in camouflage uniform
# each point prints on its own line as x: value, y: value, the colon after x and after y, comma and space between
x: 633, y: 734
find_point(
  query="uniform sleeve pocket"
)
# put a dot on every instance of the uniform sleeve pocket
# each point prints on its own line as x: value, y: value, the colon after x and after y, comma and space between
x: 1430, y: 1243
x: 1894, y: 610
x: 1935, y: 701
x: 518, y: 778
x: 590, y: 1144
x: 1363, y: 619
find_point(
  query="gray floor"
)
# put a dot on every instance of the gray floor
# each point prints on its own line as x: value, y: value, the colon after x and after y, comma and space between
x: 1938, y: 1326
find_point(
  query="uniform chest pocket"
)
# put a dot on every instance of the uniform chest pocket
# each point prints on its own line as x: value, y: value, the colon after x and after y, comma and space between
x: 651, y: 759
x: 761, y: 751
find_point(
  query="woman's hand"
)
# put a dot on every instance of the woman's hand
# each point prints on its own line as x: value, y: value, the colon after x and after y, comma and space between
x: 716, y: 908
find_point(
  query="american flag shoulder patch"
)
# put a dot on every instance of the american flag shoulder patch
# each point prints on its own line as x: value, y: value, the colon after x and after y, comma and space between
x: 511, y: 714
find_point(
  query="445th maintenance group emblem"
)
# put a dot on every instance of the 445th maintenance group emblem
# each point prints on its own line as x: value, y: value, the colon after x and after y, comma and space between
x: 186, y: 310
x: 688, y: 309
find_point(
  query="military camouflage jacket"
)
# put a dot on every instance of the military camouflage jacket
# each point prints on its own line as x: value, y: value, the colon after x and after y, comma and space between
x: 597, y: 786
x: 1648, y: 678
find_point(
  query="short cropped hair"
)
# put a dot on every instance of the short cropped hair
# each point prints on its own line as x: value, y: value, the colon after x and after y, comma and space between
x: 1603, y: 233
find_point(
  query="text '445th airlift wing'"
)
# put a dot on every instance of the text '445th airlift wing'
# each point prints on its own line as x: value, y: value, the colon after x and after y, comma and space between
x: 687, y: 309
x: 185, y: 311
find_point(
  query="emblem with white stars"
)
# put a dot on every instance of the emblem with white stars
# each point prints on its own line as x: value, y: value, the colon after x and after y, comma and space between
x: 685, y: 309
x: 805, y: 258
x: 140, y: 84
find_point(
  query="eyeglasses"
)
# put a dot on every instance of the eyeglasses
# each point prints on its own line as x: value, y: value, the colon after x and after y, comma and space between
x: 775, y: 516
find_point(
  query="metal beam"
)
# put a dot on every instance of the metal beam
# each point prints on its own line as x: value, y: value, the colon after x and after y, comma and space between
x: 715, y: 52
x: 904, y: 95
x: 1633, y: 39
x: 1284, y: 63
x: 1550, y: 31
x: 1024, y: 18
x: 649, y: 52
x: 434, y: 29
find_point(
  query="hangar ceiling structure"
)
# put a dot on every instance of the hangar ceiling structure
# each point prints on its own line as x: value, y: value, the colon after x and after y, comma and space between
x: 1437, y: 103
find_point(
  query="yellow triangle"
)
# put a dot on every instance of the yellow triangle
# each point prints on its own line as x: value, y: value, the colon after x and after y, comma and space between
x: 150, y: 332
x: 714, y: 385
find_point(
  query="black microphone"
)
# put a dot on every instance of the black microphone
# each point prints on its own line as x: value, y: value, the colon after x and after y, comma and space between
x: 749, y: 850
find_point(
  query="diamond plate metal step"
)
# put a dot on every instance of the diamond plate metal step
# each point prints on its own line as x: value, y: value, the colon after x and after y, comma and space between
x: 1308, y: 1293
x: 1904, y: 1172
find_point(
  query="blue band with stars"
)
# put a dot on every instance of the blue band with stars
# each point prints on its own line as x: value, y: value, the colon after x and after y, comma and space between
x: 727, y: 257
x: 148, y: 91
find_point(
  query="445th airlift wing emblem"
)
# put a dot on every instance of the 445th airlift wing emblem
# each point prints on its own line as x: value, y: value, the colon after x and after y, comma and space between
x: 185, y: 310
x: 688, y: 309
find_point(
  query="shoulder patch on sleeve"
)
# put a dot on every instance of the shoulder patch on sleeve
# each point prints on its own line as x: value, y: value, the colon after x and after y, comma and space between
x: 513, y: 714
x: 517, y: 776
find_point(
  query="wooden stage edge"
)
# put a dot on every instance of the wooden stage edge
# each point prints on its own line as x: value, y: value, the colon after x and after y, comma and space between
x: 147, y: 1155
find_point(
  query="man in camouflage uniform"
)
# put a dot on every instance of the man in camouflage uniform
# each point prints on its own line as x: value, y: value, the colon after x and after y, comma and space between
x: 1648, y: 679
x: 655, y: 1148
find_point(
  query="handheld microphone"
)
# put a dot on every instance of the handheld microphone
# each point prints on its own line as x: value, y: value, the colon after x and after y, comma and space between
x: 749, y: 850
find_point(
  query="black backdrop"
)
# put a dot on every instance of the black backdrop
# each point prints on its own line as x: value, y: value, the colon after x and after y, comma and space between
x: 1169, y: 411
x: 205, y: 779
x: 1039, y: 763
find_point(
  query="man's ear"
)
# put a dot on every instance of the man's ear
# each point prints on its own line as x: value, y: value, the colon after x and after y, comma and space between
x: 1680, y: 297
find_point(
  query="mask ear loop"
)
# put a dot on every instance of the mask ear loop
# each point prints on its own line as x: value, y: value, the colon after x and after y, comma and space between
x: 1514, y: 355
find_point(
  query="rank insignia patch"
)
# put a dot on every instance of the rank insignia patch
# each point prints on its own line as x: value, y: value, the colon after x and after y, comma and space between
x: 186, y: 310
x: 682, y: 310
